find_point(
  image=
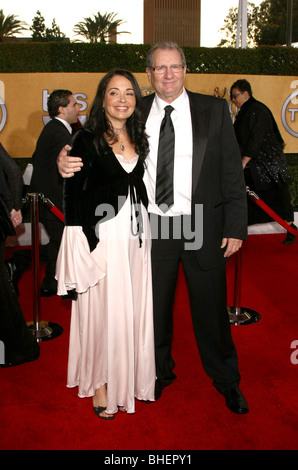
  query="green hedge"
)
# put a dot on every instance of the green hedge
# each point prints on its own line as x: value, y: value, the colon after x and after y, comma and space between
x: 84, y: 57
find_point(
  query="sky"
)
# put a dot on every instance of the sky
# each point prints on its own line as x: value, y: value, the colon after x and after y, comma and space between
x: 213, y: 13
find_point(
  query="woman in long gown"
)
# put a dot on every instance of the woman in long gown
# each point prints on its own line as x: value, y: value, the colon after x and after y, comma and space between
x: 105, y: 254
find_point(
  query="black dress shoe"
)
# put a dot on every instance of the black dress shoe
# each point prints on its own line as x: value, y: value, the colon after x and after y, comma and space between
x: 47, y: 292
x: 159, y: 386
x: 12, y: 273
x: 71, y: 295
x: 235, y: 401
x: 48, y: 287
x: 290, y: 238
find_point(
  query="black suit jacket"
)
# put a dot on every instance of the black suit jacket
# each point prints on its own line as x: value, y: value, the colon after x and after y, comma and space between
x: 45, y: 177
x: 11, y: 181
x: 217, y: 176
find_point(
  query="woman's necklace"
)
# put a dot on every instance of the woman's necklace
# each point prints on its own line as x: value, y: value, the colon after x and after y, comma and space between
x: 117, y: 132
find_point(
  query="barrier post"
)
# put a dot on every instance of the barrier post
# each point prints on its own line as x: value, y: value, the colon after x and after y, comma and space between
x: 41, y: 329
x: 240, y: 315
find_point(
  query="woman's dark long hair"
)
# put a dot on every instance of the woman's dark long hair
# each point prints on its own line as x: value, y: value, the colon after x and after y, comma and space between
x: 99, y: 125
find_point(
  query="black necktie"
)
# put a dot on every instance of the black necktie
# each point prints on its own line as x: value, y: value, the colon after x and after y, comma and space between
x: 165, y: 162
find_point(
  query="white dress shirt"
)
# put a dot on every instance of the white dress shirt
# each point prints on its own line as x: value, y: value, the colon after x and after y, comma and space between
x: 67, y: 125
x: 183, y: 154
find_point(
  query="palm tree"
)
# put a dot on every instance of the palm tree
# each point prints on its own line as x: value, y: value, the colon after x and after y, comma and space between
x: 10, y: 25
x: 99, y: 29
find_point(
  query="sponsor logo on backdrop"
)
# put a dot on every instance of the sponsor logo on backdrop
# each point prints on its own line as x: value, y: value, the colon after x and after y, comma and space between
x: 147, y: 90
x: 294, y: 355
x: 289, y: 113
x: 3, y: 111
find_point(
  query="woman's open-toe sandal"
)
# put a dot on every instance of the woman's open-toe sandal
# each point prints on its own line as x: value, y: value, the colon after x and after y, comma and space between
x: 122, y: 409
x: 100, y: 409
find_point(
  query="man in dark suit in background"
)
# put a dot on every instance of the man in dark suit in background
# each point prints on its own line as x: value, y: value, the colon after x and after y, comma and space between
x: 207, y: 174
x: 63, y: 110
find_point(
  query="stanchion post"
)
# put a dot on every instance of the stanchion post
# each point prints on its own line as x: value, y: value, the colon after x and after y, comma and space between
x: 42, y: 330
x: 239, y: 315
x: 35, y: 257
x: 237, y: 284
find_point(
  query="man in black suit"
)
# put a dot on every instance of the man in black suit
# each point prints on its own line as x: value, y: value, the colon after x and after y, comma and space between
x: 209, y: 197
x: 207, y: 174
x: 63, y: 111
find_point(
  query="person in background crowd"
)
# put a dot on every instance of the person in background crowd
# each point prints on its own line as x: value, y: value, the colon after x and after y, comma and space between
x: 264, y: 163
x: 19, y: 343
x: 63, y: 110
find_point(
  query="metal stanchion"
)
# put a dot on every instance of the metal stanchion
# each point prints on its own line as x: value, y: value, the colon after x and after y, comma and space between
x: 43, y: 330
x: 240, y: 315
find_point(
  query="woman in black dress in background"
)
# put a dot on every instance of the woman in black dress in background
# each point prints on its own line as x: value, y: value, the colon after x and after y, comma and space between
x: 17, y: 342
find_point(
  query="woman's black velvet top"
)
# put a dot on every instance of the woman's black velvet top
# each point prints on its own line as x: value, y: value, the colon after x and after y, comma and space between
x: 97, y: 192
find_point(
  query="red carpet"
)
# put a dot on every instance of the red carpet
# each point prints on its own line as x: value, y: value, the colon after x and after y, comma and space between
x: 38, y: 412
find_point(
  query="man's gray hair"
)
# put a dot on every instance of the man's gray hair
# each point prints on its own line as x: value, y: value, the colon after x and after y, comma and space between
x: 166, y: 45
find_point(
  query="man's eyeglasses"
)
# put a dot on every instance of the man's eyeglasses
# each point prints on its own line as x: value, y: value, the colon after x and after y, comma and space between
x: 176, y: 68
x: 235, y: 95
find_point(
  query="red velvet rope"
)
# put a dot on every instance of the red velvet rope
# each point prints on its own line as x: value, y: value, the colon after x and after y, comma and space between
x: 270, y: 212
x: 57, y: 213
x: 251, y: 194
x: 53, y: 209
